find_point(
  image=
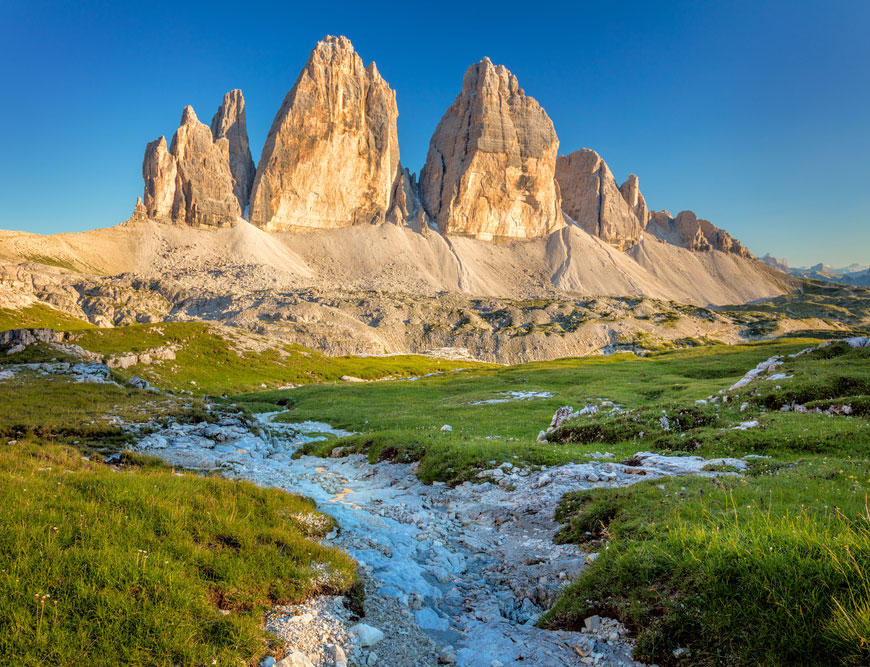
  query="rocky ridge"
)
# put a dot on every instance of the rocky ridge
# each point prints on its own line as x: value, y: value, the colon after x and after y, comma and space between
x: 192, y: 182
x: 694, y: 233
x: 331, y: 160
x: 592, y: 199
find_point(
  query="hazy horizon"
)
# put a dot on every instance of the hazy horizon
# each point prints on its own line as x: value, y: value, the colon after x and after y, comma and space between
x: 753, y: 117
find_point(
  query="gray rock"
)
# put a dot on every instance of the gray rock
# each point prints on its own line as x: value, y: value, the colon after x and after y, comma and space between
x: 592, y: 623
x: 139, y: 383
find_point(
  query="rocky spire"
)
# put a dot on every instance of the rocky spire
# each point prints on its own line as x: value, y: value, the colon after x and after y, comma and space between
x: 332, y: 155
x: 634, y: 198
x: 229, y: 122
x: 592, y: 199
x: 159, y: 172
x: 190, y: 183
x: 489, y: 170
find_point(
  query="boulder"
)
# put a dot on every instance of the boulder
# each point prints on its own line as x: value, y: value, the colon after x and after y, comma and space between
x: 295, y: 659
x: 592, y: 199
x: 368, y: 635
x: 229, y: 123
x: 490, y: 167
x: 332, y: 155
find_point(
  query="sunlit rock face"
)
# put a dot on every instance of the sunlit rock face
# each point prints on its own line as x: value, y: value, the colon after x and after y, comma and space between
x: 490, y: 168
x: 332, y: 155
x: 592, y: 199
x: 630, y: 190
x: 191, y: 181
x: 230, y: 122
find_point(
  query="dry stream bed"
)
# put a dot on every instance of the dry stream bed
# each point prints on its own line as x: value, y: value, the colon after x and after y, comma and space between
x: 453, y: 575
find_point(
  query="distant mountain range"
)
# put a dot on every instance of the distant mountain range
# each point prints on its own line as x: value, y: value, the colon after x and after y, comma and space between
x: 854, y: 274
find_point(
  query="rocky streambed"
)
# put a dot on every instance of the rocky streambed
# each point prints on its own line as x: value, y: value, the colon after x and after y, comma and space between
x: 453, y: 575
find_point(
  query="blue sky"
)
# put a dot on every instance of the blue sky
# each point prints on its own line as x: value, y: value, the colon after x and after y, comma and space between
x: 753, y: 114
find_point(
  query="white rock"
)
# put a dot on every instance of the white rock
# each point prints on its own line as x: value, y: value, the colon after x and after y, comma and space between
x: 447, y: 428
x: 742, y: 426
x: 295, y: 659
x: 368, y: 635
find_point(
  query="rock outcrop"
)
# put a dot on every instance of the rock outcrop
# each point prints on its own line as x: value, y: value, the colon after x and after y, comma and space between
x: 634, y: 198
x: 490, y: 167
x: 592, y: 199
x: 776, y: 263
x: 229, y: 122
x: 159, y: 173
x: 332, y: 155
x: 405, y: 201
x: 191, y: 182
x: 690, y: 231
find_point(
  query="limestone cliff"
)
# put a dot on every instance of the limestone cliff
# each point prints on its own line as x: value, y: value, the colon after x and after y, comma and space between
x: 630, y: 190
x: 191, y: 182
x: 230, y: 122
x: 490, y: 167
x: 592, y: 199
x: 332, y: 155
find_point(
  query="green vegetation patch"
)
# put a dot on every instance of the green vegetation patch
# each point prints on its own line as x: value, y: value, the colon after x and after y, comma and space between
x: 87, y: 415
x: 40, y: 316
x: 401, y: 420
x: 768, y: 569
x: 214, y: 360
x: 136, y: 563
x: 143, y: 566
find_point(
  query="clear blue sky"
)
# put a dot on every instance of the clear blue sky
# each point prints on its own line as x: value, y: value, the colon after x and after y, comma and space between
x: 753, y: 114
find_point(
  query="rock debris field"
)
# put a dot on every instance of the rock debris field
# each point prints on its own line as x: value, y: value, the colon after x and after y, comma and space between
x: 452, y: 576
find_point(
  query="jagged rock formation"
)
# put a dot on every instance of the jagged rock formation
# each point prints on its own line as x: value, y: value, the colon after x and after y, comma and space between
x: 690, y: 231
x: 332, y: 155
x: 159, y: 172
x: 592, y: 199
x: 229, y: 122
x: 191, y: 182
x: 634, y: 198
x: 489, y: 170
x: 776, y: 263
x: 405, y: 206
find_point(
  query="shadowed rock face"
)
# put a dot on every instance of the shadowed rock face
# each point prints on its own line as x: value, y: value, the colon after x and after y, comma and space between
x: 229, y: 122
x: 190, y: 183
x: 592, y: 199
x: 332, y: 155
x: 489, y: 171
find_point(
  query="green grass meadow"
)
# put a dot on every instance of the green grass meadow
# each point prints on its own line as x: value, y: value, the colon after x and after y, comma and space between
x: 766, y: 567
